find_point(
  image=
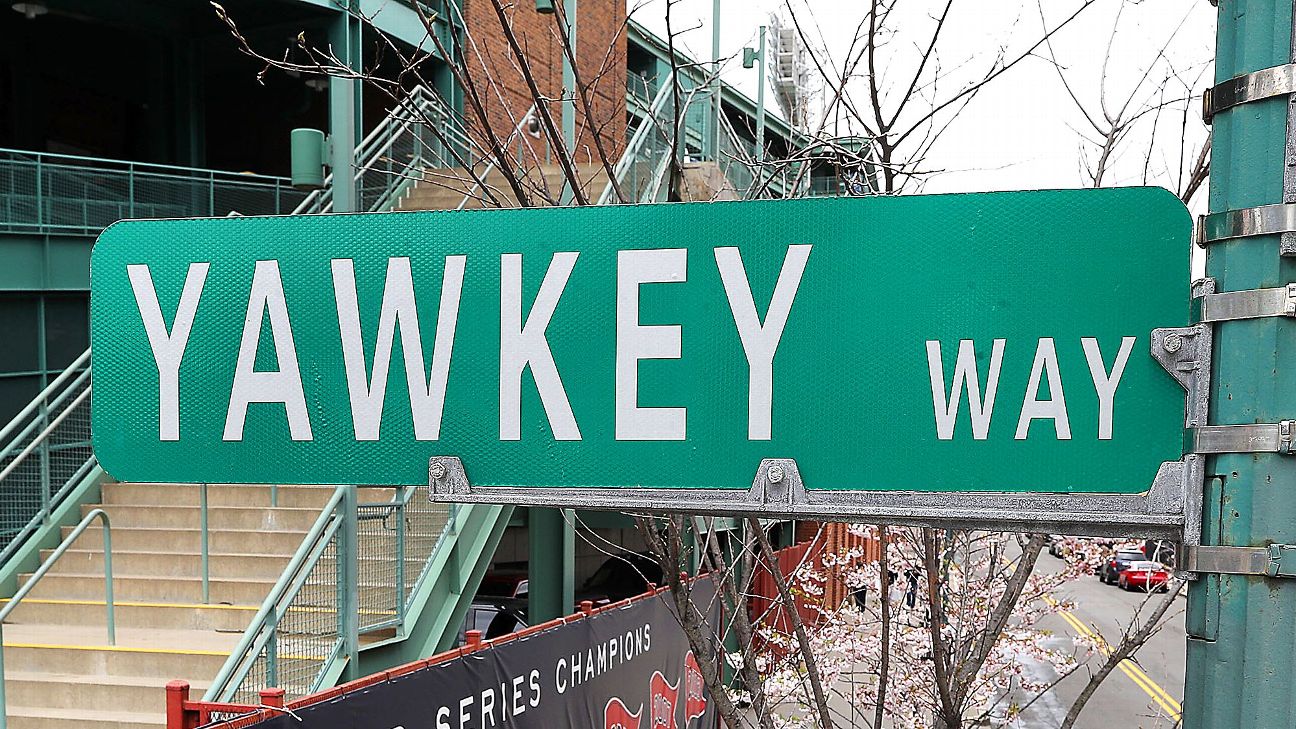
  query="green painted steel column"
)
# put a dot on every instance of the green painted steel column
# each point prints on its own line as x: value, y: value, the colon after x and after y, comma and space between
x: 551, y: 570
x: 569, y: 96
x: 712, y: 143
x: 348, y: 559
x: 344, y: 112
x: 1242, y: 629
x: 760, y: 102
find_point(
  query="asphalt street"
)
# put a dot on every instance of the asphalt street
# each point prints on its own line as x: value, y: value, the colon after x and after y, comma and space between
x: 1143, y: 694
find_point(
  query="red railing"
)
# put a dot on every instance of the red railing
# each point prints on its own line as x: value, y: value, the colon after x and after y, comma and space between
x: 825, y: 553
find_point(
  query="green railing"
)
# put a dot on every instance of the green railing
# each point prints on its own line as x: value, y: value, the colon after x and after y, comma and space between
x: 71, y: 195
x: 394, y: 154
x: 109, y: 603
x: 645, y: 164
x: 44, y: 452
x: 354, y: 575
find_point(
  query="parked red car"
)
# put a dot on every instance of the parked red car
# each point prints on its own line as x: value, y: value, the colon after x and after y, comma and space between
x: 1144, y: 576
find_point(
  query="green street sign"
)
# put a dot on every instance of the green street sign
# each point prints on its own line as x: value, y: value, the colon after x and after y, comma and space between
x: 952, y: 343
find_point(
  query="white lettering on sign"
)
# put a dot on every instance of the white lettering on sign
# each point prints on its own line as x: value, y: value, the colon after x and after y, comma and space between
x: 399, y: 311
x: 1044, y: 365
x: 760, y: 340
x: 168, y: 347
x: 965, y: 377
x: 635, y: 342
x: 1105, y: 384
x: 523, y: 345
x: 283, y: 385
x: 1053, y: 408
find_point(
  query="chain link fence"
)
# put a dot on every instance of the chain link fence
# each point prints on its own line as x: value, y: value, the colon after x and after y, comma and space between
x: 55, y: 193
x: 44, y: 452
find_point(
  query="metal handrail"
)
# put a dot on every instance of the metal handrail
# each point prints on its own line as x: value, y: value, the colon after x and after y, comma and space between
x: 31, y: 447
x: 638, y: 140
x: 369, y: 152
x: 144, y: 167
x: 63, y: 547
x: 44, y: 394
x: 481, y: 179
x: 222, y: 686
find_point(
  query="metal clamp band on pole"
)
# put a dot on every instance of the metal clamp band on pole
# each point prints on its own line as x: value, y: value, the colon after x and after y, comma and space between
x: 1249, y: 304
x: 1276, y: 560
x: 1254, y: 438
x: 1247, y: 222
x: 1255, y: 86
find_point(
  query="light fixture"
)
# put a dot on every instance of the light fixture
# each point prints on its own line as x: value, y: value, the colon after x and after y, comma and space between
x: 545, y: 6
x: 317, y: 84
x: 30, y: 10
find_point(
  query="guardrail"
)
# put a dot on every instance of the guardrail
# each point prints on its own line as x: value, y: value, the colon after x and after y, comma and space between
x: 44, y: 452
x: 348, y: 578
x: 74, y: 195
x: 45, y: 568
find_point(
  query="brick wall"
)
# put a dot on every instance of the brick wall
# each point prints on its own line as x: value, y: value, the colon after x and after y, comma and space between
x: 600, y: 55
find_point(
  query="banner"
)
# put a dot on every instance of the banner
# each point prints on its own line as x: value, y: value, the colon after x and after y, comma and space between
x: 623, y: 668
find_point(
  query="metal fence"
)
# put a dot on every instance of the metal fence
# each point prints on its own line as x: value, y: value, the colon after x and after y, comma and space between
x: 380, y: 548
x: 394, y: 154
x: 44, y: 452
x: 58, y: 193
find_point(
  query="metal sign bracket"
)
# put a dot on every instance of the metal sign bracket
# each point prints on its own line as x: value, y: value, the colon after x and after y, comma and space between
x: 1275, y: 560
x: 1277, y: 219
x: 1255, y: 86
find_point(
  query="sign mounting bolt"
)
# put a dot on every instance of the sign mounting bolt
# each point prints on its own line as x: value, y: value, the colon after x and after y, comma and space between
x: 437, y: 470
x: 1172, y: 343
x: 775, y: 473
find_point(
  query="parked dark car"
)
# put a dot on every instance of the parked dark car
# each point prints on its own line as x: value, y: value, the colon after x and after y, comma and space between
x: 493, y: 617
x: 621, y: 576
x: 1110, y: 570
x: 505, y: 579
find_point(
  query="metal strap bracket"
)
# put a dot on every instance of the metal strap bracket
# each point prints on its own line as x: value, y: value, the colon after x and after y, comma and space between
x: 1254, y: 438
x: 1249, y: 304
x: 1255, y: 86
x: 1276, y: 560
x: 1248, y: 222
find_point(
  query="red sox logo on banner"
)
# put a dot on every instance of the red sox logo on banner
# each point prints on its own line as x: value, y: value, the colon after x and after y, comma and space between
x: 617, y: 716
x: 664, y: 699
x: 695, y: 702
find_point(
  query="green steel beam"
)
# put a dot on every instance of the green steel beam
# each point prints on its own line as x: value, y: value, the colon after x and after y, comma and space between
x: 1242, y: 629
x: 551, y: 571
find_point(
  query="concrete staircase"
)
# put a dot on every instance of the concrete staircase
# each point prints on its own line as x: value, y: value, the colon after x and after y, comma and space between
x: 444, y: 189
x: 60, y: 670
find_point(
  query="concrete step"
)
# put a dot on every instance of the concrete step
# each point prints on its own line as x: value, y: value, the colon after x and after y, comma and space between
x: 218, y: 517
x: 166, y: 494
x: 97, y: 659
x: 39, y: 689
x: 220, y: 541
x: 25, y: 717
x: 149, y: 588
x: 171, y: 564
x: 157, y: 615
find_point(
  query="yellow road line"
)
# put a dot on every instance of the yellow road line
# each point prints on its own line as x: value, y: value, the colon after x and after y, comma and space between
x: 1128, y: 667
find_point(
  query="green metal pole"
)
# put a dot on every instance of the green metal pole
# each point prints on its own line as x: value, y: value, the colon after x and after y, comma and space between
x: 1241, y: 628
x: 349, y: 585
x: 551, y: 569
x: 203, y: 536
x: 569, y: 96
x: 760, y: 102
x: 713, y: 134
x: 344, y: 107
